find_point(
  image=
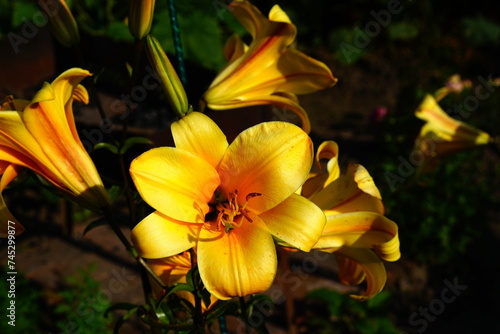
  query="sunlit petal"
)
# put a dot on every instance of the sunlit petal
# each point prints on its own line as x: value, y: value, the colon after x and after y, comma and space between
x: 198, y: 134
x: 238, y: 263
x: 329, y: 150
x: 175, y: 182
x: 158, y: 236
x: 17, y: 143
x: 352, y: 191
x: 372, y: 267
x: 296, y: 221
x: 278, y: 15
x: 287, y: 108
x: 357, y: 229
x: 261, y: 161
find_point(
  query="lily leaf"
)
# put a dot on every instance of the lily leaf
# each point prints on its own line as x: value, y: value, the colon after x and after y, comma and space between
x: 129, y: 142
x: 110, y: 147
x: 121, y: 306
x: 96, y: 223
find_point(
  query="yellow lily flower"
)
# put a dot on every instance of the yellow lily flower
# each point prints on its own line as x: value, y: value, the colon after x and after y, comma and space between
x: 356, y: 230
x: 268, y: 71
x: 442, y: 135
x: 227, y: 201
x: 41, y: 135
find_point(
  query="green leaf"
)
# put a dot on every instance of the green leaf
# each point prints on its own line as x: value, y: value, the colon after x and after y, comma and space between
x: 121, y: 306
x: 96, y: 223
x: 221, y: 307
x: 178, y: 287
x: 107, y: 146
x: 129, y: 142
x: 23, y: 11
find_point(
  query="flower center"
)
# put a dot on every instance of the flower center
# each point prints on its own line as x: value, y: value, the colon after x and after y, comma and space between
x: 231, y: 214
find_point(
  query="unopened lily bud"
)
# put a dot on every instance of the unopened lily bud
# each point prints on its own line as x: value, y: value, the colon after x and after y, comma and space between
x: 61, y: 21
x: 169, y: 79
x: 140, y: 17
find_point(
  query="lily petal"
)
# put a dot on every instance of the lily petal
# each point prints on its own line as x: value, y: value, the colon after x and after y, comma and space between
x: 329, y: 150
x: 372, y: 267
x: 175, y: 182
x: 314, y: 183
x: 352, y: 191
x: 237, y: 263
x: 287, y: 104
x: 8, y: 172
x: 198, y: 134
x: 234, y: 48
x: 158, y: 236
x: 360, y: 230
x: 19, y: 146
x: 81, y: 95
x: 350, y: 272
x: 297, y: 221
x: 272, y: 159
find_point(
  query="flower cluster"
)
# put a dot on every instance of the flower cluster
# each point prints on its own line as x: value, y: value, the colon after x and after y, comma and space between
x: 219, y: 207
x: 232, y: 202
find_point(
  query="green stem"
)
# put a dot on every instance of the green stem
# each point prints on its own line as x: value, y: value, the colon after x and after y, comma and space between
x: 243, y: 307
x: 198, y: 314
x: 128, y: 246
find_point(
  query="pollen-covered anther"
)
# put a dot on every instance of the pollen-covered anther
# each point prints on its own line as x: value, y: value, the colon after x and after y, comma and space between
x: 231, y: 214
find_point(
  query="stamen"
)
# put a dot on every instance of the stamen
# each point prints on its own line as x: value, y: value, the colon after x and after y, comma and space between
x: 230, y: 214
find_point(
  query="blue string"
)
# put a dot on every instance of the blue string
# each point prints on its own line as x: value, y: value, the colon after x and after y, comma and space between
x: 176, y: 33
x: 222, y: 325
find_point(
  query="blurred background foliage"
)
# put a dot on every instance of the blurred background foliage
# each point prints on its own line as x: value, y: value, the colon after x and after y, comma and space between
x: 448, y: 220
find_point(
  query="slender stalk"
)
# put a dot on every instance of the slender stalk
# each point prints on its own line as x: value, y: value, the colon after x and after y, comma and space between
x: 128, y: 246
x: 198, y: 315
x: 243, y: 310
